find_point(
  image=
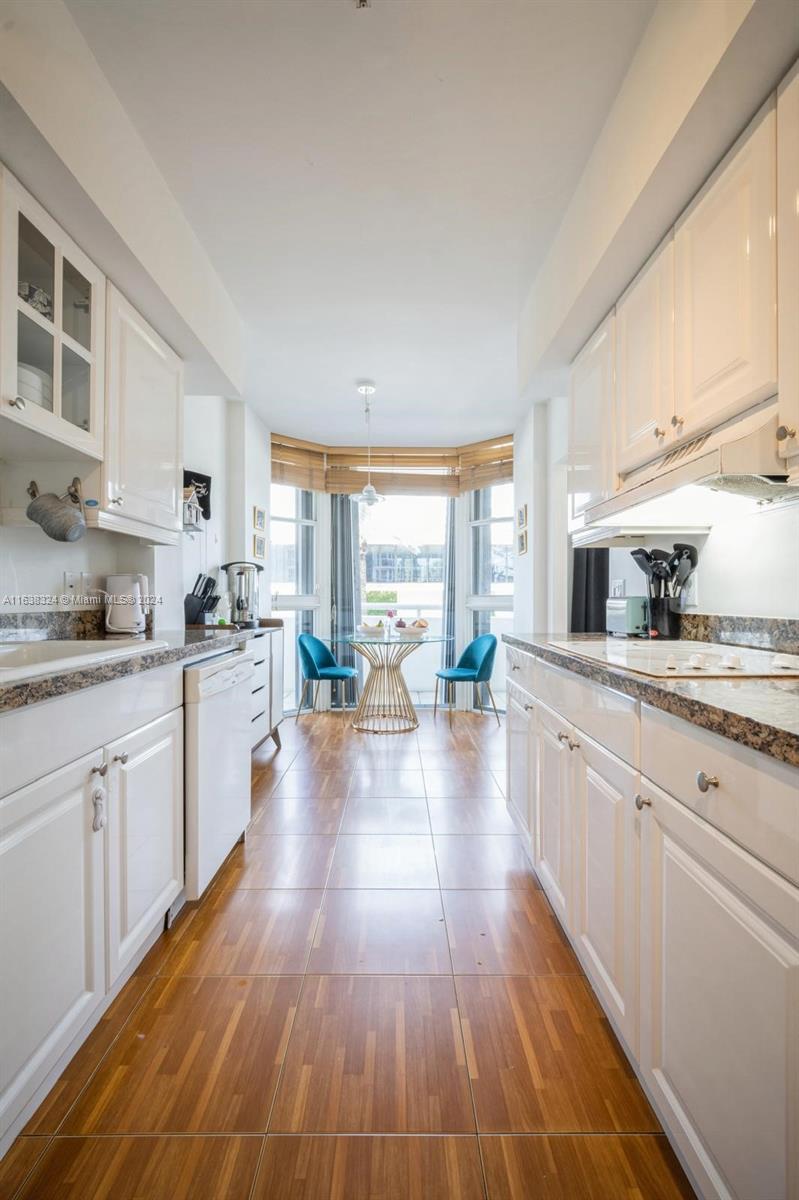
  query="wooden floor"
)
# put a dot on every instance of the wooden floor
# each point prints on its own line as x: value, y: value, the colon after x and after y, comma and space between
x: 373, y: 1000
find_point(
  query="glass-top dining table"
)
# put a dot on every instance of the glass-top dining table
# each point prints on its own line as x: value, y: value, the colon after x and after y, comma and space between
x: 385, y: 705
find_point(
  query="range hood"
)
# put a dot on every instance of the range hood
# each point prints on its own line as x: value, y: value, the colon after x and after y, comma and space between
x: 733, y: 469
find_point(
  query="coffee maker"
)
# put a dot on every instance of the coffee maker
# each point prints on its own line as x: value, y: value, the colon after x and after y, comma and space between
x: 242, y: 580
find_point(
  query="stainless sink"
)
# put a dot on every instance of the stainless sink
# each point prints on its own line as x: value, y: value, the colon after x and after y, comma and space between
x: 26, y: 660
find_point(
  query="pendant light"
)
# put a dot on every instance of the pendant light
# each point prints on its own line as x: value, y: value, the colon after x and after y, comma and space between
x: 369, y: 496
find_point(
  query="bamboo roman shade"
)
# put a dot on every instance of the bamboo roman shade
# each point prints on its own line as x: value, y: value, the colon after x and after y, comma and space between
x: 418, y: 470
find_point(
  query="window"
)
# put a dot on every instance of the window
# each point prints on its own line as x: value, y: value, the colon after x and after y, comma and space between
x: 293, y: 553
x: 402, y: 568
x: 491, y: 540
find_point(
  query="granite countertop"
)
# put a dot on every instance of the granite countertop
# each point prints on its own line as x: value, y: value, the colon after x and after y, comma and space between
x: 760, y: 713
x: 181, y: 645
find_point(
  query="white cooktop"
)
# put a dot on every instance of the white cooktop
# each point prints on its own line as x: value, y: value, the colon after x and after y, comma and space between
x: 684, y: 660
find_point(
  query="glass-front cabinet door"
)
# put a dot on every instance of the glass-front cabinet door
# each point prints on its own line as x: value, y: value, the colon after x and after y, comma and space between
x: 52, y: 329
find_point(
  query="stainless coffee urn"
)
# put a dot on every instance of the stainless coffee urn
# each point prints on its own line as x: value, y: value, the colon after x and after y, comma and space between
x: 242, y: 580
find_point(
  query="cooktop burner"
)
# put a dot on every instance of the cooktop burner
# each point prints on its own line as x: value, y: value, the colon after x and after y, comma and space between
x: 684, y: 660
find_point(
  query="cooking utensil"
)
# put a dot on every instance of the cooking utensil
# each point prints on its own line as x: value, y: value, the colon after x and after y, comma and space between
x: 195, y: 591
x: 689, y: 549
x: 661, y: 576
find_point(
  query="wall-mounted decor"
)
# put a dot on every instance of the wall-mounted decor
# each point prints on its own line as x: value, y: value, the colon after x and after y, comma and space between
x: 258, y: 546
x: 521, y: 542
x: 259, y: 518
x: 521, y: 517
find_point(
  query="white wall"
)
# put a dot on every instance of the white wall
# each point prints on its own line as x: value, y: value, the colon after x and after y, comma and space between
x: 530, y: 487
x: 747, y: 568
x: 249, y: 467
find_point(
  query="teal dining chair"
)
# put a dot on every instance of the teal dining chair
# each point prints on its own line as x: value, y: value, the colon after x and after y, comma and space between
x: 319, y: 666
x: 474, y: 666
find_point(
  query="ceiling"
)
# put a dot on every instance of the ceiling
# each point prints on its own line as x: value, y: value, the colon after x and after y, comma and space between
x: 375, y: 187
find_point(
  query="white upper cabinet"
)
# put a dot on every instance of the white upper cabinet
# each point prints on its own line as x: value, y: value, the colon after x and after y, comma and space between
x: 725, y: 270
x: 788, y: 265
x: 590, y: 470
x: 645, y: 363
x: 52, y: 335
x: 143, y: 469
x: 719, y: 986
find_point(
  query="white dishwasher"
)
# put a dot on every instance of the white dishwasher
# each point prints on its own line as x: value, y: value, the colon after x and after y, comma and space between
x: 217, y: 699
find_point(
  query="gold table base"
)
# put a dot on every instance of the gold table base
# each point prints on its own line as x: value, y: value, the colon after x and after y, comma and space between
x: 385, y: 705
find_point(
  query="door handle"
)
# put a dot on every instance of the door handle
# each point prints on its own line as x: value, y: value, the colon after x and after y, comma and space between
x: 98, y: 800
x: 563, y: 737
x: 121, y: 758
x: 102, y: 770
x: 641, y: 802
x: 705, y: 782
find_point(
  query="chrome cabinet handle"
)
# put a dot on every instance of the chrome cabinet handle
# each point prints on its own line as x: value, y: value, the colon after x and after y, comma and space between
x: 573, y: 745
x: 641, y: 802
x: 98, y: 800
x: 784, y: 432
x: 563, y: 737
x: 529, y: 707
x: 118, y: 500
x: 677, y: 422
x: 101, y: 770
x: 658, y: 432
x: 706, y: 782
x: 121, y: 758
x: 514, y: 666
x: 18, y: 402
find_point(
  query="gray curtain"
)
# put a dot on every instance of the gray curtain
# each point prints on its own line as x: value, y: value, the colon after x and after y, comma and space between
x: 448, y: 627
x: 590, y: 580
x: 345, y: 581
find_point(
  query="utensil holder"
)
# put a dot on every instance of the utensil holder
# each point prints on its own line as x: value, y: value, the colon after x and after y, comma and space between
x: 664, y: 617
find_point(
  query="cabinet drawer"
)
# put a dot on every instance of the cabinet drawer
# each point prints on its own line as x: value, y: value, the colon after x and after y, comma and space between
x: 756, y: 800
x: 519, y: 667
x: 607, y: 716
x: 260, y: 672
x: 260, y: 726
x: 260, y: 700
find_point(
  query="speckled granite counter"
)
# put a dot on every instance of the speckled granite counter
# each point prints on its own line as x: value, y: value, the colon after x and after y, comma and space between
x: 182, y: 644
x: 760, y: 713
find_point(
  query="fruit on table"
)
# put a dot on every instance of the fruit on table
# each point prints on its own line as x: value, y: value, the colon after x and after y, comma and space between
x: 400, y: 624
x: 421, y: 624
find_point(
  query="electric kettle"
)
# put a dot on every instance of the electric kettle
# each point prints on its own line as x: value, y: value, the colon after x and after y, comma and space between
x: 125, y: 603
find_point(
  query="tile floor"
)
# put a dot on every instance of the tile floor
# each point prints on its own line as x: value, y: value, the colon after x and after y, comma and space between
x: 373, y: 1000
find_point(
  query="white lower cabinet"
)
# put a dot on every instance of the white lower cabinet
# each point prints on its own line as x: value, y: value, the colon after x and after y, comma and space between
x: 52, y: 915
x: 719, y: 1004
x: 520, y: 757
x: 91, y: 857
x: 552, y: 843
x: 605, y: 857
x: 144, y: 835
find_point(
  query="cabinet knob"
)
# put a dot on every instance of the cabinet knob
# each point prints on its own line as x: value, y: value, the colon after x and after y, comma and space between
x: 118, y: 500
x: 514, y: 666
x: 98, y: 800
x: 529, y: 707
x: 658, y: 432
x: 563, y: 737
x: 101, y: 770
x: 784, y: 432
x: 641, y: 802
x: 677, y: 422
x: 706, y: 782
x: 121, y: 758
x: 18, y: 402
x: 573, y: 745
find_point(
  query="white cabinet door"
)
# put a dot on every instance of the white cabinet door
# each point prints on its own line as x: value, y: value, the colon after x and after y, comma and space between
x: 645, y: 362
x: 144, y: 437
x: 145, y: 834
x: 52, y: 336
x: 590, y: 471
x: 552, y: 844
x: 520, y: 757
x: 719, y: 987
x: 788, y: 265
x: 51, y: 923
x: 726, y: 286
x: 606, y: 853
